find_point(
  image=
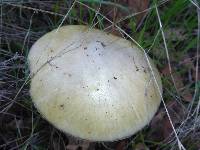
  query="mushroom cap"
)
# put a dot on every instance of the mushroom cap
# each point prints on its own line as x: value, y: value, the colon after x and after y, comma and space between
x: 91, y: 84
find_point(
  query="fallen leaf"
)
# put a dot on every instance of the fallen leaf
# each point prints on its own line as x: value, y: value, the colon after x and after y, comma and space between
x: 138, y: 6
x: 141, y: 146
x: 194, y: 74
x: 160, y: 125
x: 121, y: 145
x: 74, y: 144
x: 187, y: 96
x: 167, y: 130
x: 165, y: 71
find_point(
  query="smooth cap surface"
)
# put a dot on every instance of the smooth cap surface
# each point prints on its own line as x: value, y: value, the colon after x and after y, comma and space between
x: 91, y: 84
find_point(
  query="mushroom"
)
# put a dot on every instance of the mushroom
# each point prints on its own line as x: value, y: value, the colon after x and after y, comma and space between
x: 91, y: 84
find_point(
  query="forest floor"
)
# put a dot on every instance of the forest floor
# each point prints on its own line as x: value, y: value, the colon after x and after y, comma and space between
x: 168, y: 30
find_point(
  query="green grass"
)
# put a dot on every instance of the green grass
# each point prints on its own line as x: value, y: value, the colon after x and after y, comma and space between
x: 33, y: 132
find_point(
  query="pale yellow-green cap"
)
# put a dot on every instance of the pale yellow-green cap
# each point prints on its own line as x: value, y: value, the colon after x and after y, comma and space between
x: 91, y: 84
